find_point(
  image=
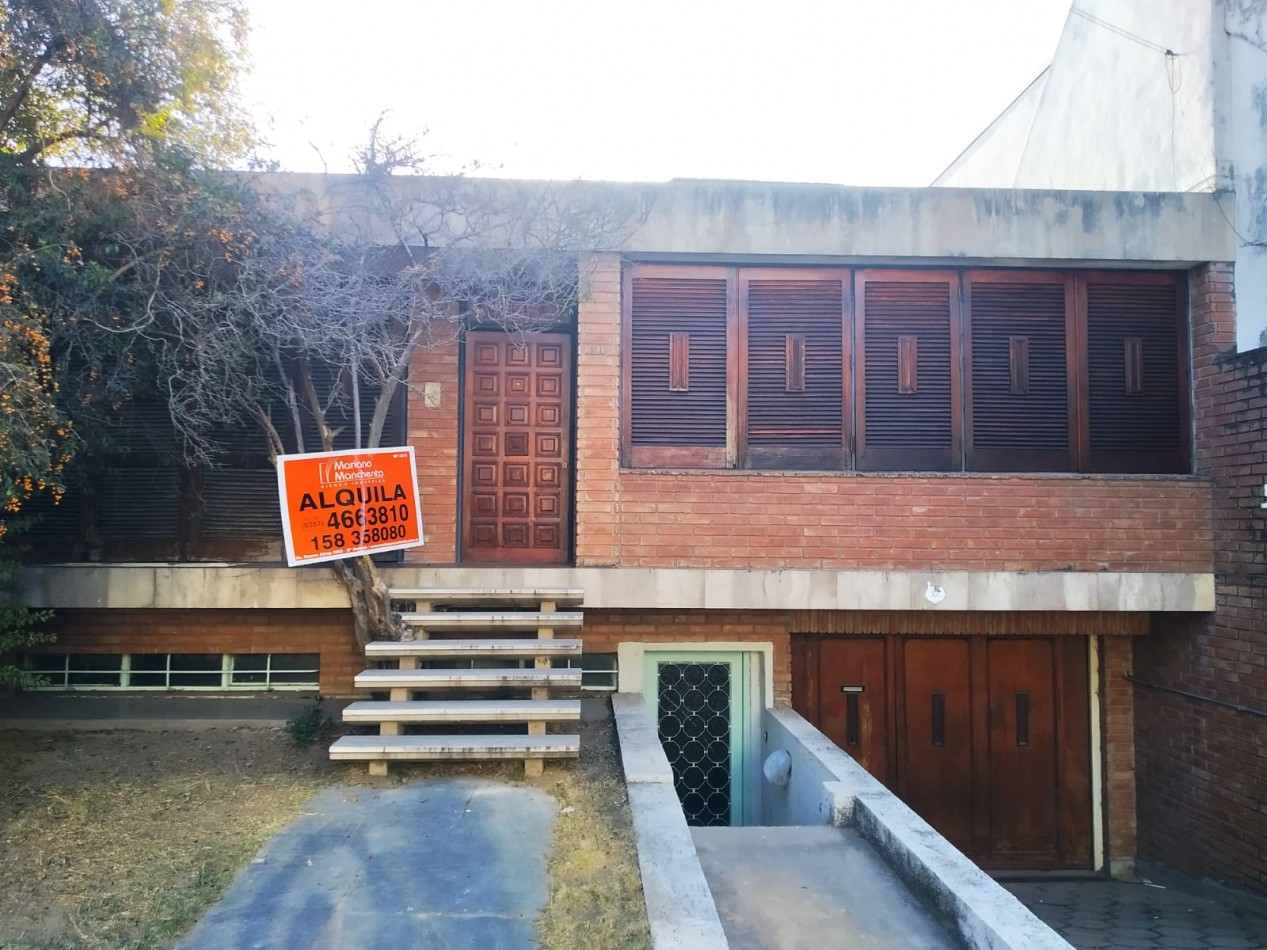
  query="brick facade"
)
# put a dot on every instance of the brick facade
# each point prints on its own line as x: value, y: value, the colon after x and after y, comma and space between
x: 836, y: 520
x: 598, y: 413
x: 327, y: 632
x: 1202, y: 768
x: 433, y: 432
x: 895, y: 522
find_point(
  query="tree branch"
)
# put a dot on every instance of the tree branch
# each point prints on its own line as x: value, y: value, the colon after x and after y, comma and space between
x: 27, y: 84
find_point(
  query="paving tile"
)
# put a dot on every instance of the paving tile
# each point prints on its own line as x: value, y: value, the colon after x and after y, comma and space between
x: 1088, y: 939
x: 1118, y: 915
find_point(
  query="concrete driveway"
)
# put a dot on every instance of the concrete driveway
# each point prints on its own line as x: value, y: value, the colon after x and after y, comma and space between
x: 442, y: 863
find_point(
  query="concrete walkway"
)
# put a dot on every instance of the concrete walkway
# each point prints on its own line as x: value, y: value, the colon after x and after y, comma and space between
x: 437, y: 864
x: 789, y: 888
x: 1108, y: 915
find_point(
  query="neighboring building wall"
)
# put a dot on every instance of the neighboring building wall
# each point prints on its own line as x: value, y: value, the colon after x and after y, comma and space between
x: 327, y: 632
x: 1111, y: 80
x: 1179, y: 88
x: 1240, y: 51
x: 1202, y: 767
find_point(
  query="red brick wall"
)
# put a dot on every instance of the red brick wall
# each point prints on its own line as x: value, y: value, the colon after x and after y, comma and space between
x: 598, y: 412
x: 1117, y: 736
x: 433, y: 432
x: 1003, y: 523
x: 1202, y: 768
x: 327, y: 632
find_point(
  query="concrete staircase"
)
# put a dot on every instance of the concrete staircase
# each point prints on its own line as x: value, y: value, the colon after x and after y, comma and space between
x: 429, y: 685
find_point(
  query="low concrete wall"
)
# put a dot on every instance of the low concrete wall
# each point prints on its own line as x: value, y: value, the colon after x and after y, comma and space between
x: 826, y: 786
x: 240, y: 586
x: 680, y: 907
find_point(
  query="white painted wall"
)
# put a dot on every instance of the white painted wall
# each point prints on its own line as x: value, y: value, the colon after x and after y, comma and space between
x: 1241, y: 136
x: 1150, y: 95
x: 994, y: 157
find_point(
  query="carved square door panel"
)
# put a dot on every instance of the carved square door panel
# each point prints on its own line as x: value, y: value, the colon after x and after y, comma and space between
x: 517, y: 449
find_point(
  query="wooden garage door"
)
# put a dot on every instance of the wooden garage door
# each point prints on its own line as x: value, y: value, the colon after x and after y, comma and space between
x: 987, y: 738
x: 516, y: 485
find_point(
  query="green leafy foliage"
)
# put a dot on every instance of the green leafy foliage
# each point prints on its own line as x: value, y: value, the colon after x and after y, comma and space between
x: 143, y: 90
x: 87, y: 81
x: 21, y: 628
x: 311, y: 725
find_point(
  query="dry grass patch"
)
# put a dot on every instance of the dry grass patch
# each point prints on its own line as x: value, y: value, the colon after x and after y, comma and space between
x: 121, y: 839
x: 595, y: 887
x: 116, y: 840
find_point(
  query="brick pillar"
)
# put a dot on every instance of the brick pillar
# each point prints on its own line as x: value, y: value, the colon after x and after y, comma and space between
x: 1118, y: 739
x: 1212, y: 304
x: 433, y: 432
x: 598, y: 412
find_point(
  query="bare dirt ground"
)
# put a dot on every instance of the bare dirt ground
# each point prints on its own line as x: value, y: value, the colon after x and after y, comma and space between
x: 121, y: 839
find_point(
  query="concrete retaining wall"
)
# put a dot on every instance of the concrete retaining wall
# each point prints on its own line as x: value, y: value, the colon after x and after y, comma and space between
x: 826, y: 786
x: 680, y: 906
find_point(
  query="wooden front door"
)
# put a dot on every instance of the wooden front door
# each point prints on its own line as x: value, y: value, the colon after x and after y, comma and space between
x: 986, y: 738
x: 517, y: 444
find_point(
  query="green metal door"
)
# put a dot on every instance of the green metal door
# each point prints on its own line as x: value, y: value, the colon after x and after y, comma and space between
x: 703, y: 709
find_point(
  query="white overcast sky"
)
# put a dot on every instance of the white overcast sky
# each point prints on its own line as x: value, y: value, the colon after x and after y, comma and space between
x: 864, y: 92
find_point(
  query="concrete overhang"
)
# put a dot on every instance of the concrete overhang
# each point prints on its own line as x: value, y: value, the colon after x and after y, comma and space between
x: 235, y: 586
x: 808, y: 223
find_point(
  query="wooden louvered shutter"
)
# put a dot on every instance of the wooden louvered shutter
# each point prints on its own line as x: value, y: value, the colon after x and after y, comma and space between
x: 1018, y: 390
x: 908, y: 371
x: 1136, y: 373
x: 677, y: 383
x: 237, y: 496
x: 139, y: 496
x: 795, y: 368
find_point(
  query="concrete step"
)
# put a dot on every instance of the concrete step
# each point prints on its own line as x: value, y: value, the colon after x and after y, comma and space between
x: 468, y: 710
x: 486, y: 595
x: 494, y: 620
x: 448, y: 748
x: 459, y: 679
x: 433, y: 649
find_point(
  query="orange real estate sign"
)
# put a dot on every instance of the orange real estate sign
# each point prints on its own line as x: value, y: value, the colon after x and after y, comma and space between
x: 342, y: 504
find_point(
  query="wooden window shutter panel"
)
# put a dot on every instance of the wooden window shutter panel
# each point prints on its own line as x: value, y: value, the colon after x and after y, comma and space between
x: 1136, y: 372
x: 908, y: 365
x: 794, y: 371
x: 1133, y: 368
x: 1020, y: 394
x: 909, y: 415
x: 679, y: 362
x: 676, y: 383
x: 1018, y: 361
x: 794, y: 367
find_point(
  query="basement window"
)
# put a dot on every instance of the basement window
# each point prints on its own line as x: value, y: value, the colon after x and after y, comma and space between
x: 175, y: 671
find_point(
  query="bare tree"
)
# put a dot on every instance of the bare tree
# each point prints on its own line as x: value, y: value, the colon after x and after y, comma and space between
x: 255, y: 303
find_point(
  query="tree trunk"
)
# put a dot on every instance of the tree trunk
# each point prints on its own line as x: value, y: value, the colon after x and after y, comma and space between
x: 372, y: 617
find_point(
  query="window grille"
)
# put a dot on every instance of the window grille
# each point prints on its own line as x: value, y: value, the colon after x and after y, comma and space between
x: 174, y: 671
